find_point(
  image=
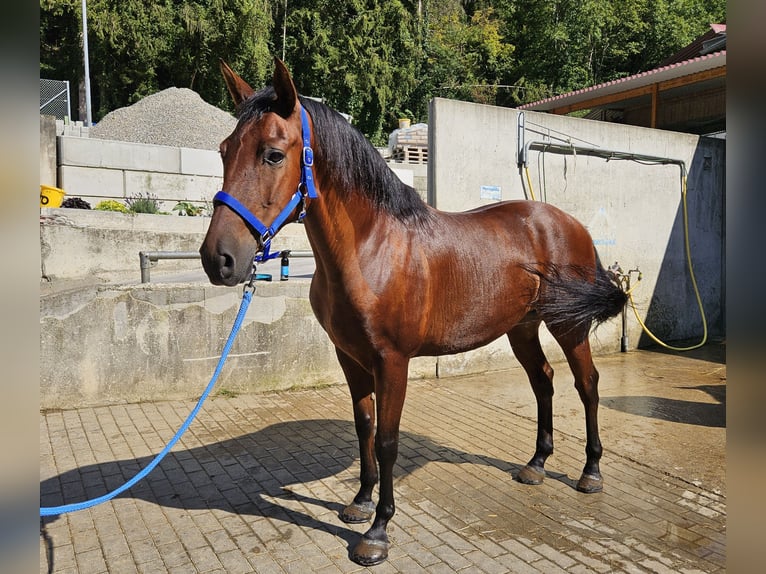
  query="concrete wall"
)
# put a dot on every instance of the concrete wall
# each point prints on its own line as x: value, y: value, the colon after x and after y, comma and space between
x: 118, y: 343
x: 633, y: 211
x: 94, y: 170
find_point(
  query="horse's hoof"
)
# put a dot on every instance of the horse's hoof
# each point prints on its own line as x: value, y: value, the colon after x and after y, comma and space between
x: 531, y: 475
x: 370, y: 552
x: 356, y: 513
x: 590, y: 483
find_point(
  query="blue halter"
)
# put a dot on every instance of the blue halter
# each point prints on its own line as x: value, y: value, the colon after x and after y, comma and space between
x: 306, y: 188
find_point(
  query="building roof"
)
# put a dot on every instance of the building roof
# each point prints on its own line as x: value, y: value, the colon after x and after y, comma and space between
x: 699, y: 68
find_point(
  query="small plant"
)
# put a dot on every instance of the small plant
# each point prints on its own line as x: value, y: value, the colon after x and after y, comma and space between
x: 188, y: 208
x: 143, y: 204
x: 75, y: 203
x: 227, y: 393
x: 111, y: 205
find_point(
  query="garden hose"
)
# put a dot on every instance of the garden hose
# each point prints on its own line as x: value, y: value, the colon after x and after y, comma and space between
x: 529, y: 183
x: 629, y: 292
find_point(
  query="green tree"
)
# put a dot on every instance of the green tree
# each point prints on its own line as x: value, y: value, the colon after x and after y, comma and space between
x: 564, y: 45
x: 360, y: 56
x: 238, y: 31
x: 137, y: 48
x: 60, y: 40
x: 376, y: 60
x: 128, y: 39
x: 467, y: 56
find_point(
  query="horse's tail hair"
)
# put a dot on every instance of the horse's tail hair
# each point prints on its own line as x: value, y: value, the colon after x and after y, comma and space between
x: 569, y: 300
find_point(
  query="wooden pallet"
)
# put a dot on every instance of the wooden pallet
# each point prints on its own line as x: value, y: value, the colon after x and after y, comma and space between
x: 410, y: 154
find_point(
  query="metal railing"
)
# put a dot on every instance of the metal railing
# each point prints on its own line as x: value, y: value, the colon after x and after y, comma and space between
x: 146, y: 258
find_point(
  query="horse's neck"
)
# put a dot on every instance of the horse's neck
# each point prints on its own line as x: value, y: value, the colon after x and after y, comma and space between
x: 337, y: 227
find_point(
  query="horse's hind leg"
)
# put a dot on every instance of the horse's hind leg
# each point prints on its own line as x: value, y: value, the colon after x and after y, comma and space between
x: 525, y: 343
x: 361, y: 385
x: 576, y: 347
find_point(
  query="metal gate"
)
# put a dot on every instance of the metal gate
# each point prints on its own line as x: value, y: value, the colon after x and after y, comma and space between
x: 54, y: 98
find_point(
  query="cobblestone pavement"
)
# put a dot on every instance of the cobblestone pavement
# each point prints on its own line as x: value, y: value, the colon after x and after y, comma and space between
x: 257, y: 482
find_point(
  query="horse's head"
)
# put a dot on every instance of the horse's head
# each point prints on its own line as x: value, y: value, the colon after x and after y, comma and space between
x: 262, y: 163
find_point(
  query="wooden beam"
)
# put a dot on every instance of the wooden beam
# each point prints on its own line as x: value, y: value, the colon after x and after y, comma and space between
x: 693, y: 78
x: 652, y: 89
x: 655, y: 97
x: 603, y: 100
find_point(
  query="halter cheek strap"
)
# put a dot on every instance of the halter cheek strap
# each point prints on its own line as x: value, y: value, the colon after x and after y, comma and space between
x: 306, y: 188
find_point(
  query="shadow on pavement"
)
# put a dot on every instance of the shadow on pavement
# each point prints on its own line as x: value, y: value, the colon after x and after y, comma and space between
x: 674, y: 410
x: 251, y: 474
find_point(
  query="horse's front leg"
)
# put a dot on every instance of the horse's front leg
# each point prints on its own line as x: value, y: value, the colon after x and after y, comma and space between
x: 390, y: 389
x: 361, y: 385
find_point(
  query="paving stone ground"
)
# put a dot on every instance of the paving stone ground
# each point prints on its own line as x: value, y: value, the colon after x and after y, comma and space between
x: 257, y: 482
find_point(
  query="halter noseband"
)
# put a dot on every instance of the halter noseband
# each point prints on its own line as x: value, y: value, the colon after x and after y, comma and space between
x: 306, y: 189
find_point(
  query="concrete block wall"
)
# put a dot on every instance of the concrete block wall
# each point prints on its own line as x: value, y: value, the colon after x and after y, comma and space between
x: 68, y: 128
x: 95, y: 169
x: 48, y: 151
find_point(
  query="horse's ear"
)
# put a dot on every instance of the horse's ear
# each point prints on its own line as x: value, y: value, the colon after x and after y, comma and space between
x: 238, y: 88
x: 287, y: 95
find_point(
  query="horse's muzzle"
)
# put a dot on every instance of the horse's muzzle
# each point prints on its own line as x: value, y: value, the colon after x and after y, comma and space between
x: 223, y: 267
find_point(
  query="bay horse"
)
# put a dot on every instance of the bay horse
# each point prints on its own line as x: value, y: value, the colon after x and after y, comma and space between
x: 396, y: 278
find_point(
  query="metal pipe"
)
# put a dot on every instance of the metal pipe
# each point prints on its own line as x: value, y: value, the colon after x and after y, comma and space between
x: 146, y: 258
x: 598, y: 152
x: 521, y: 150
x: 86, y: 60
x: 624, y: 338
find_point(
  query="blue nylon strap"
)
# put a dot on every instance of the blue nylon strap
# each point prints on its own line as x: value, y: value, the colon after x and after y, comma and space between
x: 285, y: 213
x: 56, y: 510
x: 266, y: 233
x: 307, y: 173
x: 242, y: 211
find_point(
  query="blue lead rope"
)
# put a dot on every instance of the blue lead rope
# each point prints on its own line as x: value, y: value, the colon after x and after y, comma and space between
x: 56, y: 510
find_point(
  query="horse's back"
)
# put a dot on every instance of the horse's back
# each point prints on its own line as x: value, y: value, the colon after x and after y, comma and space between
x: 528, y: 232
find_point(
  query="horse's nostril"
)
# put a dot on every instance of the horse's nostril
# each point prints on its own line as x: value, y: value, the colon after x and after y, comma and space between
x: 227, y: 264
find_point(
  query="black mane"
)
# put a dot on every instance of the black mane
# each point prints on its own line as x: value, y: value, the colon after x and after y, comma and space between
x: 350, y: 162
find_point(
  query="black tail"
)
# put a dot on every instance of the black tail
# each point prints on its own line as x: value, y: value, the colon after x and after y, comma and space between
x: 570, y: 301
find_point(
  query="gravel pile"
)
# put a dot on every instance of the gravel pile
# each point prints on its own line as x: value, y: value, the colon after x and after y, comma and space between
x: 176, y: 117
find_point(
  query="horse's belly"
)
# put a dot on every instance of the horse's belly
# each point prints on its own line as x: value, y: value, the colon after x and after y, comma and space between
x: 472, y: 333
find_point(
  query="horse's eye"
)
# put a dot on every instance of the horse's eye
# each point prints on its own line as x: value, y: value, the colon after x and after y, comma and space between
x: 274, y: 157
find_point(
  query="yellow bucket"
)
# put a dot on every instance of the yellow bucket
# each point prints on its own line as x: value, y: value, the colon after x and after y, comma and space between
x: 51, y: 196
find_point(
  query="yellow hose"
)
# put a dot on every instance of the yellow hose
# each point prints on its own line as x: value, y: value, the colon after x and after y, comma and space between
x: 529, y: 183
x: 694, y: 284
